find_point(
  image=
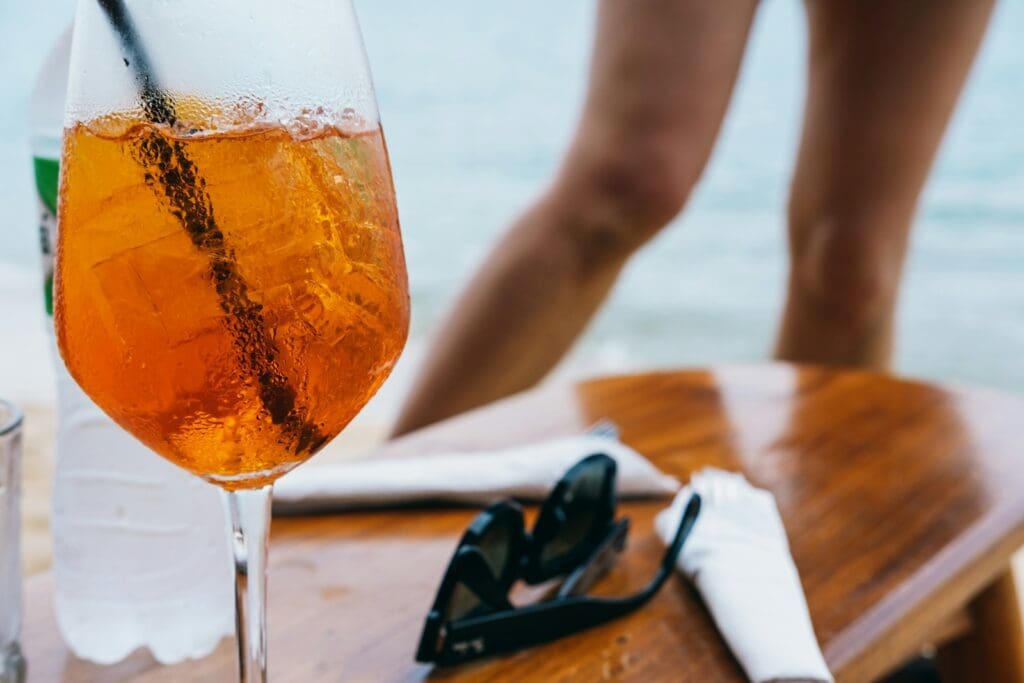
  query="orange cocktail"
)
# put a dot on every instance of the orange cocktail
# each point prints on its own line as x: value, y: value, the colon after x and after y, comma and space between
x: 232, y: 298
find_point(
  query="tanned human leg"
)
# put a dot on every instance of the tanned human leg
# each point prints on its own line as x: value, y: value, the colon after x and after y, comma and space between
x: 661, y: 78
x: 883, y: 79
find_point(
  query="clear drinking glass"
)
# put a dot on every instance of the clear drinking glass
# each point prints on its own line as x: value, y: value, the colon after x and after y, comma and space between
x: 230, y: 282
x: 12, y: 666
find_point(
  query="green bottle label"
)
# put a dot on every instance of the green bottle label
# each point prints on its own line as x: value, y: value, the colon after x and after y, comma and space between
x: 47, y: 174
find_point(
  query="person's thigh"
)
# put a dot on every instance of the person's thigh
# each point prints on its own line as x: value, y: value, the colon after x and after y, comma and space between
x: 661, y: 78
x: 666, y: 64
x: 883, y: 79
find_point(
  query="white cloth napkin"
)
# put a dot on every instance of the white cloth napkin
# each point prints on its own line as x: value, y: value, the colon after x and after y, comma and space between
x: 526, y: 472
x: 738, y: 558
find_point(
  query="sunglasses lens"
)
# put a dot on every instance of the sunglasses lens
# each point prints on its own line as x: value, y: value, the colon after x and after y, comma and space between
x: 462, y: 602
x: 495, y: 545
x: 578, y: 513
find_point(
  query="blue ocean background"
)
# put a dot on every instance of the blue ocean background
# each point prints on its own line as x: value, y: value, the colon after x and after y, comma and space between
x: 479, y: 101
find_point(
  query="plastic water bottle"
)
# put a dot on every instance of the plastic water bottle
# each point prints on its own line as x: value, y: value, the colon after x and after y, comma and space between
x: 141, y: 555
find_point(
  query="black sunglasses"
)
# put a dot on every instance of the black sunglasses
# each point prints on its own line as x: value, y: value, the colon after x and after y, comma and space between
x: 576, y: 536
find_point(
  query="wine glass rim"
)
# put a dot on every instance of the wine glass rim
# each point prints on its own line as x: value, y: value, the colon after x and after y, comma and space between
x: 10, y: 418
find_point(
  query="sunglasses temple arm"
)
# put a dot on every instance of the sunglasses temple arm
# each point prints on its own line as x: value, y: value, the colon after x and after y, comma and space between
x: 686, y: 523
x: 529, y: 626
x: 580, y: 581
x: 668, y: 562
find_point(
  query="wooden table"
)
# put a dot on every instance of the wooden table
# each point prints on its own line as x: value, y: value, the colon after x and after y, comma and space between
x: 903, y: 501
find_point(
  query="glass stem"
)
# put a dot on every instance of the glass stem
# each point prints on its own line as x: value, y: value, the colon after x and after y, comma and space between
x: 249, y: 517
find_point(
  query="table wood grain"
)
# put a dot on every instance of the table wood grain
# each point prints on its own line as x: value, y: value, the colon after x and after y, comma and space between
x: 902, y: 501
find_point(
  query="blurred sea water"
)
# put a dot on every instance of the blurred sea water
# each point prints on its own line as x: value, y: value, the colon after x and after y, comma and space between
x: 479, y: 101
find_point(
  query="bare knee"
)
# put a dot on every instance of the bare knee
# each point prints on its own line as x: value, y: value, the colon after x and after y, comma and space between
x: 846, y: 269
x: 621, y: 195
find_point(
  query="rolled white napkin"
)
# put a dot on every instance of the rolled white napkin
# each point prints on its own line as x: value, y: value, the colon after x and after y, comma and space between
x: 526, y: 472
x: 738, y: 558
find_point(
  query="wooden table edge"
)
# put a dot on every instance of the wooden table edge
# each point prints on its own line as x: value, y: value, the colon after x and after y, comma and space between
x: 884, y: 635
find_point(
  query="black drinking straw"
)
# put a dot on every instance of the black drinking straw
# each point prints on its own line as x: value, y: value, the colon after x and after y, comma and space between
x: 170, y: 171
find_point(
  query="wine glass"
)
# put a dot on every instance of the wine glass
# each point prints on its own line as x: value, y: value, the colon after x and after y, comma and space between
x: 231, y: 287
